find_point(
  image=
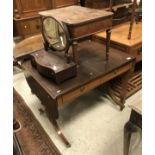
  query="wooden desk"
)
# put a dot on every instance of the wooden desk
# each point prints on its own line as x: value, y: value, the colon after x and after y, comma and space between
x: 132, y: 125
x: 82, y: 22
x: 92, y: 72
x: 119, y: 39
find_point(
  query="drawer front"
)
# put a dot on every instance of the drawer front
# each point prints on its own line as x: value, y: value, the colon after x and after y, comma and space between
x: 87, y: 29
x: 24, y: 28
x: 35, y: 25
x: 28, y: 27
x: 93, y: 84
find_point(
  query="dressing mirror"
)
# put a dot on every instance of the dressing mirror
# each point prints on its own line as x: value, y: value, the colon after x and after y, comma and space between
x: 55, y: 34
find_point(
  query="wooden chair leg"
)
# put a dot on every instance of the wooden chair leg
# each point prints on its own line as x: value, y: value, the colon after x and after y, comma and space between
x: 127, y: 138
x: 129, y: 128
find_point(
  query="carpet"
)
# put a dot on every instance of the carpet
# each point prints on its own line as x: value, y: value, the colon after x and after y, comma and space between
x: 32, y: 137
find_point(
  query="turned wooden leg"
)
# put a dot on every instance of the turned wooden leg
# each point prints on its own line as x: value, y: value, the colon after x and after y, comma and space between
x: 108, y: 35
x: 59, y: 132
x: 124, y: 86
x: 50, y: 109
x: 132, y: 19
x: 123, y: 92
x: 75, y: 52
x: 110, y: 5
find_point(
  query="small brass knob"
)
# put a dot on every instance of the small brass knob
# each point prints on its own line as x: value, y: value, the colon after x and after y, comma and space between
x: 15, y: 11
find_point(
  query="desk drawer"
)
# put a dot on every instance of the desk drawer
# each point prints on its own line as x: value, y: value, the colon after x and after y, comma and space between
x: 35, y: 25
x: 93, y: 84
x: 24, y: 28
x: 89, y: 28
x: 28, y: 27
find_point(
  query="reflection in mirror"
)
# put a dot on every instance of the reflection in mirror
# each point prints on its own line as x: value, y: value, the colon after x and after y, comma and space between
x: 54, y: 34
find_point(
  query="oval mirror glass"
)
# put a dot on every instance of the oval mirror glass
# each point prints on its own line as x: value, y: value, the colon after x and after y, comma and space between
x: 55, y: 34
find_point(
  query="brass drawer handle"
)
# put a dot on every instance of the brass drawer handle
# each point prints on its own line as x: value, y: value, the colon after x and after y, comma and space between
x: 15, y: 11
x: 25, y: 26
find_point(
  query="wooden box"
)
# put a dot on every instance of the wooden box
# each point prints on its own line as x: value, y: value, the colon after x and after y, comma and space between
x: 53, y: 65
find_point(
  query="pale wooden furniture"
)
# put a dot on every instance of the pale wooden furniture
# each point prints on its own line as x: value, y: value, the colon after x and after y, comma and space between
x: 132, y: 125
x: 28, y: 46
x: 119, y: 39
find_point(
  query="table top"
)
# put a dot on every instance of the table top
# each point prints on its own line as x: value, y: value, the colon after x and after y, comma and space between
x: 75, y: 15
x: 120, y: 34
x: 137, y: 106
x: 92, y: 66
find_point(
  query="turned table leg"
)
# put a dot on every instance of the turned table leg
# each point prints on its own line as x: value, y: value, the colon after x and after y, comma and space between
x: 132, y: 19
x: 123, y: 92
x: 59, y: 132
x: 53, y: 119
x: 108, y: 35
x: 124, y: 86
x: 75, y: 52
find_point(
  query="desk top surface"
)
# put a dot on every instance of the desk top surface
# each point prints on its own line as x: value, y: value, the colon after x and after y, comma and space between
x: 74, y: 15
x: 92, y: 66
x: 120, y: 34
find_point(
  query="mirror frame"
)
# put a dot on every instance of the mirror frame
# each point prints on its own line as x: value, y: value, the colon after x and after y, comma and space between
x: 47, y: 45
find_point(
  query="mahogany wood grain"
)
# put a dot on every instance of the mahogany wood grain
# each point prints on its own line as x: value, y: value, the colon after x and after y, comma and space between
x: 26, y: 17
x: 82, y: 22
x: 75, y: 15
x: 68, y: 97
x: 27, y: 8
x: 92, y: 70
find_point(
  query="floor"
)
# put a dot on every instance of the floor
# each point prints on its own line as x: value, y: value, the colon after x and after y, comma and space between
x: 92, y: 124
